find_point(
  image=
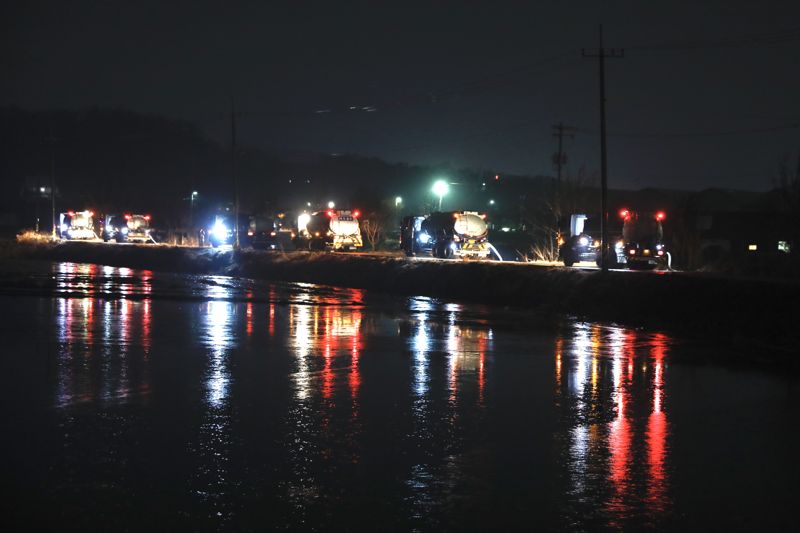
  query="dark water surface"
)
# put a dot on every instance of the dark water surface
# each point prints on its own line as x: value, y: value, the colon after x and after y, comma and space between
x: 133, y: 400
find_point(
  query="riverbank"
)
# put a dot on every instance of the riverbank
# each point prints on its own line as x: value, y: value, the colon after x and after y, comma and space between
x: 691, y: 304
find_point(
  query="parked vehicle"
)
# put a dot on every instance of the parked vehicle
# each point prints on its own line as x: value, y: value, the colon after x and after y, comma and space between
x: 643, y: 236
x: 584, y: 242
x: 268, y: 233
x: 334, y: 229
x: 446, y: 235
x: 76, y: 225
x: 128, y: 227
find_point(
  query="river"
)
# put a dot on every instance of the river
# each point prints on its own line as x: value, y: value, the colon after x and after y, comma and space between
x: 137, y: 400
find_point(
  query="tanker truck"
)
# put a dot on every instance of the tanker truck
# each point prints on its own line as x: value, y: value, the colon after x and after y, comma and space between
x: 334, y: 229
x: 446, y: 235
x: 76, y: 225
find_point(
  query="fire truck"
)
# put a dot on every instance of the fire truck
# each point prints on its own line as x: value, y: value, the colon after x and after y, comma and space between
x: 128, y: 227
x: 334, y: 229
x: 76, y: 225
x: 446, y: 235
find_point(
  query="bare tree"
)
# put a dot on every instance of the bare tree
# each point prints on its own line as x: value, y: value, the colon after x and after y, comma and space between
x: 373, y: 231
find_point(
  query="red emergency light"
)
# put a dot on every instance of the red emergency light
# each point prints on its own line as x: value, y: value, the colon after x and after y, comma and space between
x: 660, y: 216
x: 147, y: 217
x: 70, y: 213
x: 356, y: 213
x: 330, y: 213
x: 624, y: 214
x: 127, y: 217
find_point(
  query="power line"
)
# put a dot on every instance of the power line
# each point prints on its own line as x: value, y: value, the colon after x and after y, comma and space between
x: 678, y: 135
x: 758, y: 39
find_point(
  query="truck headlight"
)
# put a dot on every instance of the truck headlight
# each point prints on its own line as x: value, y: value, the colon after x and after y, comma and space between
x: 424, y: 238
x: 124, y: 231
x: 219, y: 230
x: 583, y: 241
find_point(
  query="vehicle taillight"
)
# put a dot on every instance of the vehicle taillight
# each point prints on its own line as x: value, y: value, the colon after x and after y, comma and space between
x: 90, y: 213
x: 127, y: 217
x: 71, y: 213
x: 356, y: 213
x: 330, y: 213
x: 147, y: 217
x: 483, y: 216
x: 632, y: 252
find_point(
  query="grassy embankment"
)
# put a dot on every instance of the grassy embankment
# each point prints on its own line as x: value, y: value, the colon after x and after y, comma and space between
x: 691, y: 304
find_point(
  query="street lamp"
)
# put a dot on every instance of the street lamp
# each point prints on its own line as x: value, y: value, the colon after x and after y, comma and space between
x: 192, y: 198
x: 440, y: 188
x: 397, y: 201
x: 491, y: 202
x: 331, y: 205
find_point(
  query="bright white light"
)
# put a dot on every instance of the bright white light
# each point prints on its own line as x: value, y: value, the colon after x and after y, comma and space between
x: 124, y: 231
x: 308, y: 204
x: 424, y: 238
x: 219, y: 230
x: 302, y: 221
x: 440, y: 188
x: 491, y: 202
x: 505, y: 229
x: 397, y: 201
x: 41, y: 189
x: 194, y: 193
x: 620, y: 245
x: 583, y: 241
x: 331, y: 205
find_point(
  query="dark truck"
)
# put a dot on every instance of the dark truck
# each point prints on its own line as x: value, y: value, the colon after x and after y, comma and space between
x: 446, y: 235
x: 643, y: 240
x: 267, y: 233
x: 583, y: 242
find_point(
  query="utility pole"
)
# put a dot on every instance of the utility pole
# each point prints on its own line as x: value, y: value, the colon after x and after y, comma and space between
x: 601, y: 54
x: 51, y: 140
x: 559, y: 159
x: 233, y: 175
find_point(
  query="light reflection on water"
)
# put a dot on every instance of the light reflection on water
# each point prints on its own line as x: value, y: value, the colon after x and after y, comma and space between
x: 610, y: 392
x: 618, y: 453
x: 95, y: 340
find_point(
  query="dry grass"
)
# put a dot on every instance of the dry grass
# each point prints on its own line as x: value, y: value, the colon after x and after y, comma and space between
x: 30, y: 236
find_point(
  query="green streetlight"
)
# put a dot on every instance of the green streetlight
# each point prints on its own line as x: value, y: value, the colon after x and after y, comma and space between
x: 440, y: 188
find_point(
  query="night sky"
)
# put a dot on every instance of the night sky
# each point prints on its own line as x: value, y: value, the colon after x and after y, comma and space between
x: 707, y: 95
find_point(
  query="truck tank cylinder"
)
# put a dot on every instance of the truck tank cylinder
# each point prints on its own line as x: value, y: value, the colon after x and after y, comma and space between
x: 470, y: 225
x: 318, y: 223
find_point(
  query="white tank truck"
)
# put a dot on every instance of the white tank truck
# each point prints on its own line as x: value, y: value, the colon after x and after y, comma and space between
x: 446, y: 235
x: 334, y: 229
x: 76, y: 225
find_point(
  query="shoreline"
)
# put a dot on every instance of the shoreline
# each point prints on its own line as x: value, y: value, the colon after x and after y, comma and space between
x: 691, y: 304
